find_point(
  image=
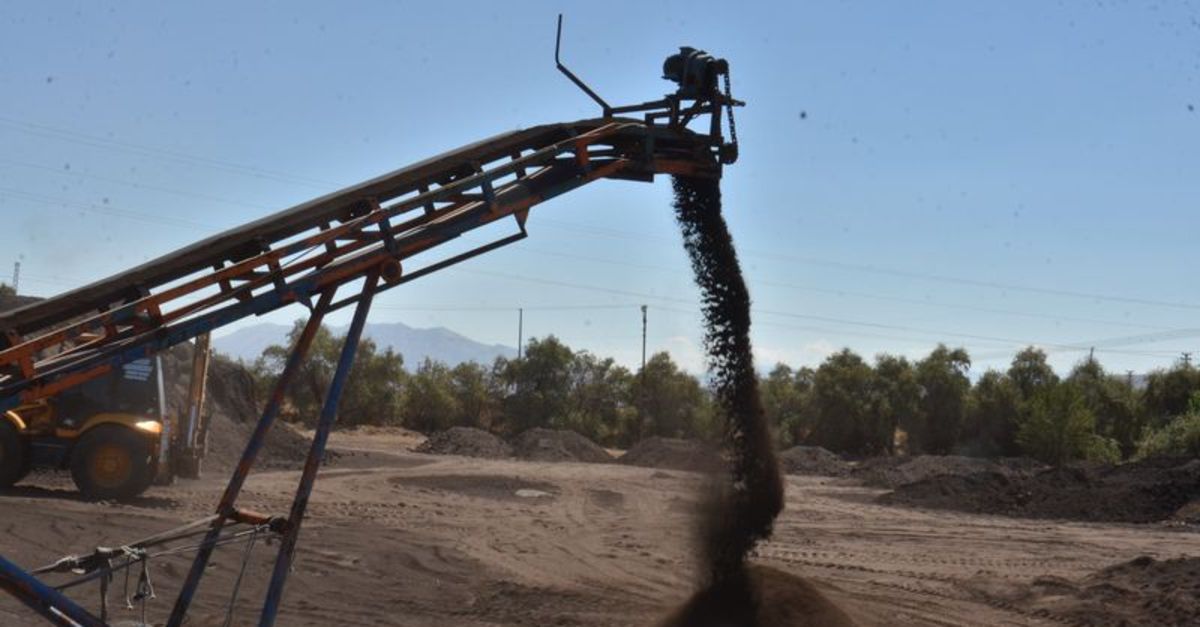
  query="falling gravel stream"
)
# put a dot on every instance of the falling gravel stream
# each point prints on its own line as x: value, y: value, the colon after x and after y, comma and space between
x: 739, y: 512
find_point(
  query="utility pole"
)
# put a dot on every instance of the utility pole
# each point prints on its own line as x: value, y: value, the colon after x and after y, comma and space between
x: 1187, y: 359
x: 520, y: 331
x: 1129, y: 378
x: 643, y: 339
x: 641, y: 421
x: 16, y: 277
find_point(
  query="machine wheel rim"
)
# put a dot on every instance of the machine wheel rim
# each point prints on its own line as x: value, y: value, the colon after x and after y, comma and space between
x: 111, y: 466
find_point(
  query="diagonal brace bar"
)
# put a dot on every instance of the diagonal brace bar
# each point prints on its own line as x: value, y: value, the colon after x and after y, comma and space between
x: 287, y: 548
x: 249, y: 455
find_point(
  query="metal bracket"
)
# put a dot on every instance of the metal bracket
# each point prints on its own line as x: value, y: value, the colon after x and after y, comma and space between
x: 571, y: 75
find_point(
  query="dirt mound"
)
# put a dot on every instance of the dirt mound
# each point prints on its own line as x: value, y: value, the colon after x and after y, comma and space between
x: 558, y: 445
x: 893, y: 472
x: 1139, y: 492
x: 674, y: 454
x: 1143, y: 591
x: 467, y: 442
x: 813, y: 460
x: 759, y: 595
x: 284, y: 447
x: 232, y: 405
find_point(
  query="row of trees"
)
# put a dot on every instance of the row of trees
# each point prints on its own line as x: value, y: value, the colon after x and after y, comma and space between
x: 932, y: 406
x: 550, y: 386
x: 846, y: 404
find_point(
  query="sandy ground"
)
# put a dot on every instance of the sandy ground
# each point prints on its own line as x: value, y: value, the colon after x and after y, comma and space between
x: 408, y: 539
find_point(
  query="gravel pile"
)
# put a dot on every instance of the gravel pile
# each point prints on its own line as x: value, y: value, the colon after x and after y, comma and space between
x: 1139, y: 492
x: 234, y: 411
x: 813, y: 460
x: 558, y: 445
x: 673, y: 454
x: 467, y: 442
x: 1143, y: 592
x: 893, y: 472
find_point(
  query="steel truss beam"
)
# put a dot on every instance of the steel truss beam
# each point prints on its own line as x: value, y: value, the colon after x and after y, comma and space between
x: 65, y: 341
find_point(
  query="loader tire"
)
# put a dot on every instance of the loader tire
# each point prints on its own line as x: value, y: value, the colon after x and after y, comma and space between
x: 112, y: 462
x: 14, y: 455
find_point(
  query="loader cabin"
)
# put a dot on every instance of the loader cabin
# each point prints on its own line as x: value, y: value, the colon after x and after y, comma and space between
x: 107, y: 432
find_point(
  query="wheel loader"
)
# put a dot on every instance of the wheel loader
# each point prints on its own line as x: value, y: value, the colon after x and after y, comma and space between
x: 112, y: 433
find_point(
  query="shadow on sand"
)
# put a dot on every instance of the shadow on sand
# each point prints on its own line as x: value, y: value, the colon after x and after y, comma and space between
x: 69, y: 494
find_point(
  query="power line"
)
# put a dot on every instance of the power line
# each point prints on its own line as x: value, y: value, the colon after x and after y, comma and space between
x: 835, y: 291
x: 61, y: 134
x: 136, y: 185
x: 634, y: 307
x: 490, y: 308
x: 1126, y: 340
x: 1171, y: 334
x: 68, y: 135
x: 889, y: 272
x: 187, y: 223
x: 108, y: 210
x: 841, y: 292
x: 75, y: 136
x: 758, y: 322
x: 91, y: 140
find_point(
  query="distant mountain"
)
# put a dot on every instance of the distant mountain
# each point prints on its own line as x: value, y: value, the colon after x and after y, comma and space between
x: 247, y: 343
x: 440, y: 344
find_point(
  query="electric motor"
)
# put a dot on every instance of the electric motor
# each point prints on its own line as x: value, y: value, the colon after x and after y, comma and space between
x: 695, y: 71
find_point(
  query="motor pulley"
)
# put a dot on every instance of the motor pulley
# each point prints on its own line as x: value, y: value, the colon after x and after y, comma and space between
x: 698, y: 75
x: 695, y: 71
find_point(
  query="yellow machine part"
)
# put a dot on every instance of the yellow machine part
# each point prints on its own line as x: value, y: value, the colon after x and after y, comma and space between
x: 38, y: 419
x: 141, y: 424
x: 15, y: 419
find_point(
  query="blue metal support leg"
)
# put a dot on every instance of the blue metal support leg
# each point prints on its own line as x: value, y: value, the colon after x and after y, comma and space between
x: 316, y: 454
x: 50, y: 603
x: 249, y: 455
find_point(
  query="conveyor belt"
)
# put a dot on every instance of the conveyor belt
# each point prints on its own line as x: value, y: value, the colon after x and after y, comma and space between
x: 295, y: 254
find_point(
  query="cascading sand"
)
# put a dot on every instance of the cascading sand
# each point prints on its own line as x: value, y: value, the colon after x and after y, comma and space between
x: 738, y: 512
x: 743, y: 513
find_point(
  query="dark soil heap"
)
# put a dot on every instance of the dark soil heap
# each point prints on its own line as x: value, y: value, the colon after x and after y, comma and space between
x: 551, y: 445
x: 1143, y: 591
x: 674, y: 454
x: 774, y: 597
x: 1139, y: 492
x: 742, y: 512
x: 234, y: 412
x: 467, y: 442
x: 813, y: 460
x: 893, y: 472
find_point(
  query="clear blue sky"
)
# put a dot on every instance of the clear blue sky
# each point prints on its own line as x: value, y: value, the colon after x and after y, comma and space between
x: 985, y: 174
